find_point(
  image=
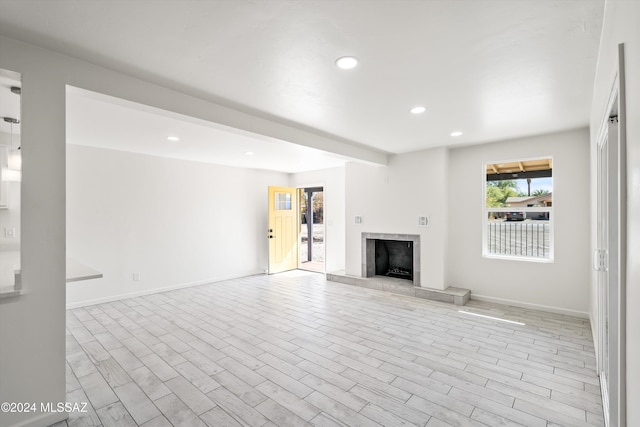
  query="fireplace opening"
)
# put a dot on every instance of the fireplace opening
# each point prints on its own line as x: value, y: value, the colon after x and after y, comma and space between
x: 394, y: 258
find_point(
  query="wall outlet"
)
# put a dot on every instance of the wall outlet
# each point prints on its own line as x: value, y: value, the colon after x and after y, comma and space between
x: 136, y: 277
x: 358, y: 220
x: 10, y: 232
x: 423, y: 221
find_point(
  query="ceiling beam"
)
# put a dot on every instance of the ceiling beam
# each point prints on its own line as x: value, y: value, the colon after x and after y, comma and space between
x: 547, y: 173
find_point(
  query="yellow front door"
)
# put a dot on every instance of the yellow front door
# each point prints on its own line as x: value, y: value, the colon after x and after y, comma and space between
x: 283, y: 230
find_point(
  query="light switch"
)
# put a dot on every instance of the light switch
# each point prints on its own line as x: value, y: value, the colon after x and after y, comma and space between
x: 423, y: 221
x: 10, y: 232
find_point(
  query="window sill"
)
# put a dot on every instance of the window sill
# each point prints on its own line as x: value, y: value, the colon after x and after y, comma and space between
x: 519, y: 258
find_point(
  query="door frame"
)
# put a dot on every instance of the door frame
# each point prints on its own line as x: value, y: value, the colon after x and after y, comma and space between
x: 610, y: 261
x: 315, y: 189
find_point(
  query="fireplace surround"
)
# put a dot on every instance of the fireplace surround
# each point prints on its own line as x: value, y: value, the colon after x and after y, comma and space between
x: 391, y: 255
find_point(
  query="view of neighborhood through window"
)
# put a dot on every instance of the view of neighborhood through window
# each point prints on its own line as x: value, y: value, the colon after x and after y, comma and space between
x: 518, y: 210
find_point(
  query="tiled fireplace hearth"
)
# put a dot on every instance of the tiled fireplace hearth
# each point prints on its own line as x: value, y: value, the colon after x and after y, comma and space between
x: 391, y: 263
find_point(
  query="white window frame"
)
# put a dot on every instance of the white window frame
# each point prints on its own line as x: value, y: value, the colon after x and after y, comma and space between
x: 486, y: 210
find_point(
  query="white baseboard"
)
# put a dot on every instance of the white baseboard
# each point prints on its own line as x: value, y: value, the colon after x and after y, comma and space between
x: 118, y: 297
x: 43, y: 420
x: 557, y: 310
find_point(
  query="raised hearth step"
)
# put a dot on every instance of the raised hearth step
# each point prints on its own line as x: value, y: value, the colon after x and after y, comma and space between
x: 457, y: 296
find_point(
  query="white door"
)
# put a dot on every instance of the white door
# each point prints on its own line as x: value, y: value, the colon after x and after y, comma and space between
x: 600, y: 264
x: 607, y: 263
x: 610, y: 253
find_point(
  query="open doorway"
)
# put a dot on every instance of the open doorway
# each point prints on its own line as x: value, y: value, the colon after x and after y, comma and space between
x: 311, y: 236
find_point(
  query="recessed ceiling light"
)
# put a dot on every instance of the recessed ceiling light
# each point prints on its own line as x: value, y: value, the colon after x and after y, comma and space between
x: 249, y: 153
x: 347, y: 62
x: 418, y: 109
x: 173, y: 138
x: 456, y: 133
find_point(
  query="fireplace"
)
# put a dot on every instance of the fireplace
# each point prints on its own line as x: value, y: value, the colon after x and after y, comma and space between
x: 391, y: 255
x: 394, y: 258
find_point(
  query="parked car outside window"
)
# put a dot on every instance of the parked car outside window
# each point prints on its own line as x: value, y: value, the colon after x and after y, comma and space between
x: 516, y: 216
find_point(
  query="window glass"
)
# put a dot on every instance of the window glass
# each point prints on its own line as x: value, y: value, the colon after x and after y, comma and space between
x: 282, y: 201
x: 518, y: 214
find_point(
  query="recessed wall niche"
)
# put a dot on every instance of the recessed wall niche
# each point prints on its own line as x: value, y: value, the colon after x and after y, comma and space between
x: 10, y: 181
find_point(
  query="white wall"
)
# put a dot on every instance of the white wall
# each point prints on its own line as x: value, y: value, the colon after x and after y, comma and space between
x: 10, y: 217
x: 391, y: 199
x: 173, y: 221
x: 32, y: 326
x: 332, y: 181
x: 562, y: 284
x: 622, y: 25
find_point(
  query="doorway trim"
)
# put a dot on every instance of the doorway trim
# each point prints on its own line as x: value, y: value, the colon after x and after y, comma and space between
x: 610, y: 261
x: 309, y: 190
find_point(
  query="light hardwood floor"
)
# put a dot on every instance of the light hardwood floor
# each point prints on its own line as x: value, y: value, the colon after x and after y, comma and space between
x: 295, y: 350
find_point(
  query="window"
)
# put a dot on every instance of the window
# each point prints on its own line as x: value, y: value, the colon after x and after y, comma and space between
x: 283, y: 201
x: 518, y: 210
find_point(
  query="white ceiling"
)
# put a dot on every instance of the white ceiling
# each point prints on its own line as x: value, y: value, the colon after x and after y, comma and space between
x: 102, y: 121
x: 493, y: 69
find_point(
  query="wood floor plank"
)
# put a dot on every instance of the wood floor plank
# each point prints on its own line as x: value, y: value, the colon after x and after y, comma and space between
x: 197, y: 401
x: 504, y: 412
x: 293, y: 403
x: 177, y: 412
x: 235, y: 406
x: 339, y: 411
x: 198, y: 378
x: 115, y: 415
x: 113, y: 372
x: 136, y: 402
x: 292, y: 349
x: 279, y: 415
x: 87, y: 417
x: 97, y: 390
x: 250, y: 395
x: 153, y: 387
x: 409, y: 413
x: 350, y: 400
x: 217, y: 417
x: 294, y: 386
x: 338, y: 380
